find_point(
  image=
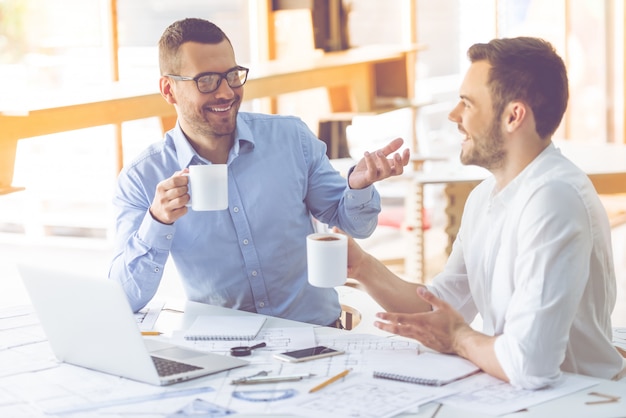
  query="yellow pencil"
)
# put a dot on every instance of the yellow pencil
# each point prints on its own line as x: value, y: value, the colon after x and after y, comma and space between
x: 331, y: 380
x: 150, y: 333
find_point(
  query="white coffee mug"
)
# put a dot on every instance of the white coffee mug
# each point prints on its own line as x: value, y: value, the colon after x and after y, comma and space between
x: 208, y: 187
x: 327, y: 259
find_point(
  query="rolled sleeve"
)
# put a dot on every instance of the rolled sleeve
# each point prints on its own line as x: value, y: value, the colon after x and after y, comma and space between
x: 521, y: 374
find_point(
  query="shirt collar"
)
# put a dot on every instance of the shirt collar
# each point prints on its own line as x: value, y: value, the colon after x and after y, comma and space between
x: 245, y: 141
x: 505, y: 195
x: 187, y: 156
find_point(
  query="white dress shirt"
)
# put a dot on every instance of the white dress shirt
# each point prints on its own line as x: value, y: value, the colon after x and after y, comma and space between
x: 535, y: 261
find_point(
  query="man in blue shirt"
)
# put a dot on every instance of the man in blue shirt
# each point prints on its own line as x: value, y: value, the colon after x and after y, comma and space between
x: 251, y: 256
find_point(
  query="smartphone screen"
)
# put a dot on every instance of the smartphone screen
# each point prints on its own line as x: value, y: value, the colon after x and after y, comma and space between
x: 308, y: 354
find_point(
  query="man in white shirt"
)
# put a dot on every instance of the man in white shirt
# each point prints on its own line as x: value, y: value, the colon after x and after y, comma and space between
x: 533, y: 255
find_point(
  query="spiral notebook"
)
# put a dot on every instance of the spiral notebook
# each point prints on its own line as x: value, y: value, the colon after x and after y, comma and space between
x: 434, y: 369
x: 225, y: 327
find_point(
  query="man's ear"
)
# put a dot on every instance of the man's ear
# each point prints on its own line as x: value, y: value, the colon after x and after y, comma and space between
x: 167, y: 89
x: 513, y: 115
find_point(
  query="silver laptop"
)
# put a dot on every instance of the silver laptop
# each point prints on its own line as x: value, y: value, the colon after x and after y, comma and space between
x: 89, y: 323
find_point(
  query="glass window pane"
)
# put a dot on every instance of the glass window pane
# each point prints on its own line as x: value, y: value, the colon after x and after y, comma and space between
x: 542, y: 19
x: 140, y: 29
x: 37, y: 51
x: 579, y: 32
x: 375, y: 22
x: 588, y: 69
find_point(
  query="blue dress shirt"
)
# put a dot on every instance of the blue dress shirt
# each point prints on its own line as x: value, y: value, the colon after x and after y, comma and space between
x: 251, y: 256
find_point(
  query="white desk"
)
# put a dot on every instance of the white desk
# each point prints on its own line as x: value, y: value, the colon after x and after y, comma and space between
x: 573, y: 405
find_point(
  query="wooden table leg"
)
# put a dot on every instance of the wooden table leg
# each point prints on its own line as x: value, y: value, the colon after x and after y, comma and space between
x: 456, y: 195
x: 7, y: 166
x: 414, y: 264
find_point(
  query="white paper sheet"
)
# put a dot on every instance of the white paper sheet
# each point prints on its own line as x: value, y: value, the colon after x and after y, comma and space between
x: 486, y: 394
x: 360, y: 396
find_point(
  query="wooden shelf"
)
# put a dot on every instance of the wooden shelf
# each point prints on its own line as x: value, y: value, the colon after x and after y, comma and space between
x: 352, y: 73
x: 10, y: 189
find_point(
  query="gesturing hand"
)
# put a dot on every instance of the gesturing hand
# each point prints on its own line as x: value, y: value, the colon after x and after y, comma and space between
x: 439, y: 329
x: 376, y: 166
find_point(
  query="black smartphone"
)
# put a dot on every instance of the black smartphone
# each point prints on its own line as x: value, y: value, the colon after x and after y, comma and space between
x: 305, y: 354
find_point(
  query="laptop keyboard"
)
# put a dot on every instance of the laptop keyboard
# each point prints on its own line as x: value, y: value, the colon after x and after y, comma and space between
x: 167, y: 367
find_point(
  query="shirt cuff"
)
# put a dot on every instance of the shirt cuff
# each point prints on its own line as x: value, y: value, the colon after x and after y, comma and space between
x: 359, y: 197
x: 156, y: 234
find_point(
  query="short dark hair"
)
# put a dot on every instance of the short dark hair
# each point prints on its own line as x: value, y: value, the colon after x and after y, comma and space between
x: 181, y: 31
x: 526, y: 69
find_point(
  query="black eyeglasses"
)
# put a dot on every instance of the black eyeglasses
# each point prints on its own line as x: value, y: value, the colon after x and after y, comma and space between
x: 209, y: 82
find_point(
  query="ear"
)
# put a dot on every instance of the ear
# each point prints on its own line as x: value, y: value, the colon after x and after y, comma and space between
x: 166, y: 87
x: 514, y: 115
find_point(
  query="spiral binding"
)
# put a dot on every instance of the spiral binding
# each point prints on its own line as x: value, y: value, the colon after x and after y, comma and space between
x: 409, y: 379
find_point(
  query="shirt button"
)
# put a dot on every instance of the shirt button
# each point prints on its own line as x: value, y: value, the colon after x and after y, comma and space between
x: 261, y: 304
x: 235, y: 209
x: 168, y: 236
x: 245, y: 242
x: 156, y: 270
x: 254, y: 273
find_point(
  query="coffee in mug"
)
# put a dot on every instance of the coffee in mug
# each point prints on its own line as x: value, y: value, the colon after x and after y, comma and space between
x: 327, y: 239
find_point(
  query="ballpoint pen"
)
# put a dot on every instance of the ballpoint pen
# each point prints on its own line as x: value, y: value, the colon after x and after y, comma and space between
x: 150, y: 333
x: 329, y: 381
x: 273, y: 379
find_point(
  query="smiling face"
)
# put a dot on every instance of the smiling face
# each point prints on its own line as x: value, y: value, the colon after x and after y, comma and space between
x: 474, y: 115
x: 212, y: 115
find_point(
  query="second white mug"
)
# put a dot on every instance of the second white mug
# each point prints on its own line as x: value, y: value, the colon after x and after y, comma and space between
x: 327, y: 259
x: 208, y: 187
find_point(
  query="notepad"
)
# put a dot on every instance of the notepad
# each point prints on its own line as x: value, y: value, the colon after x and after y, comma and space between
x: 212, y: 327
x: 434, y: 369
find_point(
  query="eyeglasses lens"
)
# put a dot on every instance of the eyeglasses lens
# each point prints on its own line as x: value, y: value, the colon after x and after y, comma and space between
x: 210, y: 82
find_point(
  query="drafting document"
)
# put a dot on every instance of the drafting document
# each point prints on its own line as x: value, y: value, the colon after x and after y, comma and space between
x: 23, y: 344
x: 19, y: 326
x: 368, y: 342
x: 361, y: 396
x: 147, y: 317
x: 488, y: 395
x: 69, y: 389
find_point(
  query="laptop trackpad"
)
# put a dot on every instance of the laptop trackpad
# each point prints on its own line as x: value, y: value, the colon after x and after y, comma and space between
x: 177, y: 353
x: 164, y: 349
